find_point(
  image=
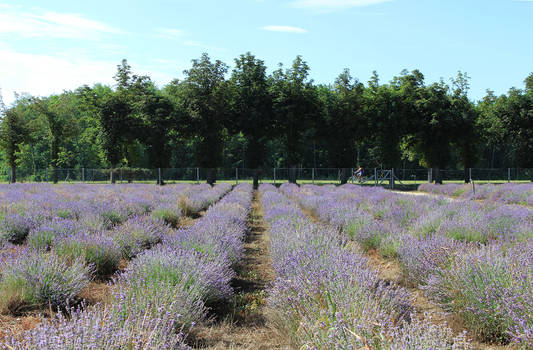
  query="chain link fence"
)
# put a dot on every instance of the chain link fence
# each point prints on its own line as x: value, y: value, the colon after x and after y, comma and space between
x: 398, y: 177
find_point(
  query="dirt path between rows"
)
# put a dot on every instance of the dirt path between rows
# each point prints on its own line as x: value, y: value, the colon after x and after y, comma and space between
x: 390, y: 270
x: 244, y: 325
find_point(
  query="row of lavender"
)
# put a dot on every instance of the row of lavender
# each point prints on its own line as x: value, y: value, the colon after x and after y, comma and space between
x: 325, y: 296
x: 506, y: 193
x: 473, y: 258
x: 164, y: 290
x: 26, y: 206
x: 75, y: 222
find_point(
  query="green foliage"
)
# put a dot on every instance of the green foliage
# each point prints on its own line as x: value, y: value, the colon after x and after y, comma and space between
x: 296, y: 108
x: 256, y: 120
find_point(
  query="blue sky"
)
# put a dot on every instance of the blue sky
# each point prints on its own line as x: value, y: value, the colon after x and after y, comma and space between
x: 49, y: 46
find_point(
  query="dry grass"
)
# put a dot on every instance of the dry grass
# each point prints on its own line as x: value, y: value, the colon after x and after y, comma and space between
x: 17, y: 326
x: 96, y: 292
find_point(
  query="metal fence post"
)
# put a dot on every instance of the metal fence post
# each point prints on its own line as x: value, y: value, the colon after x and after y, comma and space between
x: 313, y: 175
x: 236, y: 176
x: 470, y: 174
x: 83, y: 175
x: 274, y: 176
x: 120, y: 174
x: 508, y: 175
x: 375, y: 177
x: 392, y: 178
x: 197, y: 175
x: 430, y: 180
x: 159, y: 182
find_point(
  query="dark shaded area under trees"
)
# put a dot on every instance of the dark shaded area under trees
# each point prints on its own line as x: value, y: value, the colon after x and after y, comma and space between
x: 248, y: 118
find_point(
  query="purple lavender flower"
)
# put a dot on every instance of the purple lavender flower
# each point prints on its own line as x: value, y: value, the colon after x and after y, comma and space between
x: 35, y: 278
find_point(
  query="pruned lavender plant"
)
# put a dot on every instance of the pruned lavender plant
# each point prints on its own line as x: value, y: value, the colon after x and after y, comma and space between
x: 34, y: 279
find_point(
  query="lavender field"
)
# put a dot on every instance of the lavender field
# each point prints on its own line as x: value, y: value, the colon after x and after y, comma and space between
x: 508, y: 193
x: 171, y: 258
x: 56, y: 240
x: 473, y: 259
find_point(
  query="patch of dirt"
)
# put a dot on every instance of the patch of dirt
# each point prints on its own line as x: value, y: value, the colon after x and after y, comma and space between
x: 245, y: 325
x: 17, y: 326
x: 186, y: 222
x: 96, y: 292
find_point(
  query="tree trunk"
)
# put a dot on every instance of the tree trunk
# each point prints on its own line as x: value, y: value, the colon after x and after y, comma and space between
x: 292, y: 174
x: 257, y: 172
x: 113, y: 181
x: 437, y: 175
x: 211, y: 176
x: 345, y: 175
x: 13, y: 174
x: 55, y: 178
x: 430, y: 175
x: 467, y: 176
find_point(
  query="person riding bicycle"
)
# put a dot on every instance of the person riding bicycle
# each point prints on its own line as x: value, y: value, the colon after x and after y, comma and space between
x: 359, y: 173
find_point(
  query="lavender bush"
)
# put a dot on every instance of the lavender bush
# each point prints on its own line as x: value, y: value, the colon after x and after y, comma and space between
x: 98, y: 250
x: 14, y: 227
x: 491, y: 288
x: 34, y: 278
x: 50, y: 232
x: 105, y: 327
x: 138, y: 234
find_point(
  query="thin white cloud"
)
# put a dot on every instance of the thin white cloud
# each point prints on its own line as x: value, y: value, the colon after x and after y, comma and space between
x: 284, y: 29
x: 169, y: 33
x: 49, y: 24
x: 43, y: 75
x: 203, y: 46
x: 330, y: 5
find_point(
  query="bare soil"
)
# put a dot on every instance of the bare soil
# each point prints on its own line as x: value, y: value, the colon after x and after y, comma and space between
x: 244, y: 325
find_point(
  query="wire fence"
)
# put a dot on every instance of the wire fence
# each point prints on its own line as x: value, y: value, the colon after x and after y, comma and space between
x: 386, y: 177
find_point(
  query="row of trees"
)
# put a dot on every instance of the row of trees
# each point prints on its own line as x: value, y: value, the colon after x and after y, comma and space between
x: 253, y: 119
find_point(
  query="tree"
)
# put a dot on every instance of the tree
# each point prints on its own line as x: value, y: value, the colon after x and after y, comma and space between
x: 343, y: 121
x: 115, y: 120
x: 88, y: 144
x: 431, y: 123
x: 467, y: 136
x: 156, y: 116
x: 529, y: 83
x: 517, y: 118
x: 252, y: 107
x: 295, y: 109
x: 13, y: 132
x: 60, y: 113
x: 387, y: 115
x: 204, y: 96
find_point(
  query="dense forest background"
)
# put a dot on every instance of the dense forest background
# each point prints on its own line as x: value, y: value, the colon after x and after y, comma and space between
x: 248, y: 118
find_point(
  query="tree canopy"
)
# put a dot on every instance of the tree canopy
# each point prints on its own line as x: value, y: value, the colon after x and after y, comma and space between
x: 246, y: 117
